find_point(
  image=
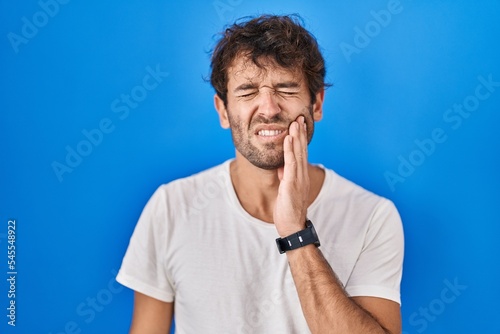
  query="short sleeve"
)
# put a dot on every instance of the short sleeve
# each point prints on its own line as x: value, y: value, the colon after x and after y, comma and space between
x: 143, y: 267
x: 379, y: 268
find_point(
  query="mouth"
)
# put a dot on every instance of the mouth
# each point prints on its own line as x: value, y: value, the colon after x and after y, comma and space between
x: 270, y: 133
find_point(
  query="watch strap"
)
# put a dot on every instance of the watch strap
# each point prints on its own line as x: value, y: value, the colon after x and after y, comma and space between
x: 299, y: 239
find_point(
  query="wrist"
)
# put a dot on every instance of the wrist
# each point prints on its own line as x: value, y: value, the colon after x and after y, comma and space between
x: 301, y: 252
x: 291, y: 229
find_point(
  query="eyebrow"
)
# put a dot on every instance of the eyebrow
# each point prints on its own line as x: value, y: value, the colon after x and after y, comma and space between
x: 287, y: 84
x: 251, y: 86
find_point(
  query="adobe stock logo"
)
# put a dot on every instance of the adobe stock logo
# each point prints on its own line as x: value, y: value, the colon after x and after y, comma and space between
x: 429, y: 313
x: 223, y: 6
x: 210, y: 190
x: 40, y: 19
x: 454, y: 118
x: 89, y: 309
x: 122, y: 107
x: 268, y: 304
x: 363, y: 37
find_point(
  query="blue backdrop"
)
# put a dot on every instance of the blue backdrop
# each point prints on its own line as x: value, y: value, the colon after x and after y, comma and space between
x: 101, y: 102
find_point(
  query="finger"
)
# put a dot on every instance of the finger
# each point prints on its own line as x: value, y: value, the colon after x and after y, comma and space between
x: 303, y: 142
x: 289, y: 170
x: 298, y: 147
x: 281, y: 170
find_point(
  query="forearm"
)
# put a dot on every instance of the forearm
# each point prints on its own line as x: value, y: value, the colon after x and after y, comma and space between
x: 151, y: 315
x: 325, y: 304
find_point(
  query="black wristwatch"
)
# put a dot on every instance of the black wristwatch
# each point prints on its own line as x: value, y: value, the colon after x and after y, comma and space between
x: 301, y: 238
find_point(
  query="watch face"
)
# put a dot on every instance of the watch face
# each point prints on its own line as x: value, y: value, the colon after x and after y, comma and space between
x: 280, y: 247
x: 310, y: 225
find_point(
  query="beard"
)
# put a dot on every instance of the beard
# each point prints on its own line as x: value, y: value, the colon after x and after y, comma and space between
x: 267, y: 156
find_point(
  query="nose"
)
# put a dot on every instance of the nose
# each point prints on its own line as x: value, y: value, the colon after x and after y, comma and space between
x: 268, y: 104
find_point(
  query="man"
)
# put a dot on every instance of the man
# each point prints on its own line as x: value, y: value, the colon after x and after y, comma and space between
x: 204, y: 247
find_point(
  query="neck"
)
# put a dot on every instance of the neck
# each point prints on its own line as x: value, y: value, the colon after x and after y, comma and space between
x: 257, y: 188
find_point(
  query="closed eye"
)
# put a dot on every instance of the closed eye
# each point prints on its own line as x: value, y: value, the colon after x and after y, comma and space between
x: 247, y: 95
x: 287, y: 93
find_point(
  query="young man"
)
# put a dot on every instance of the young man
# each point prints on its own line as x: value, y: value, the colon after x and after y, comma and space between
x: 235, y: 249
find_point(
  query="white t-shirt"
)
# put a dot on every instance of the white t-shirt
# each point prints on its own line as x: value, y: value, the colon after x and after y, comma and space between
x: 196, y: 246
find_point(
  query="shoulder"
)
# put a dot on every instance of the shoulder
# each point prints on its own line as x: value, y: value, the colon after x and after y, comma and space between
x: 353, y: 206
x: 338, y: 188
x: 192, y: 192
x: 216, y: 176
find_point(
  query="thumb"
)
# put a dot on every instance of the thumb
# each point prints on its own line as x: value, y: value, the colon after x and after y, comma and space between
x: 281, y: 171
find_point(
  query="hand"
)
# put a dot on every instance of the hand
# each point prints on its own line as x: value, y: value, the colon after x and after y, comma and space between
x: 291, y: 204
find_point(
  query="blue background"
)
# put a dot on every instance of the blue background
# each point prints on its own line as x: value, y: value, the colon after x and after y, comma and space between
x: 394, y: 91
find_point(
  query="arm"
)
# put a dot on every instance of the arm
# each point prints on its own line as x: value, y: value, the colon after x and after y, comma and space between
x: 326, y: 306
x: 151, y: 316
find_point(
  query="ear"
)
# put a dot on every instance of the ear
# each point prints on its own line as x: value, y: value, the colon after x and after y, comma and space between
x: 318, y: 105
x: 222, y: 111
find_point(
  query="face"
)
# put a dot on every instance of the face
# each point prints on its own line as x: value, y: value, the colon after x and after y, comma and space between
x: 261, y: 105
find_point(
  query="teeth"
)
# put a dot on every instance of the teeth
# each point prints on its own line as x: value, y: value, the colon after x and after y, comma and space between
x: 269, y: 133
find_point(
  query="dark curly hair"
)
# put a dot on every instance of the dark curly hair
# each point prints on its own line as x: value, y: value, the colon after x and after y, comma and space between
x: 282, y: 39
